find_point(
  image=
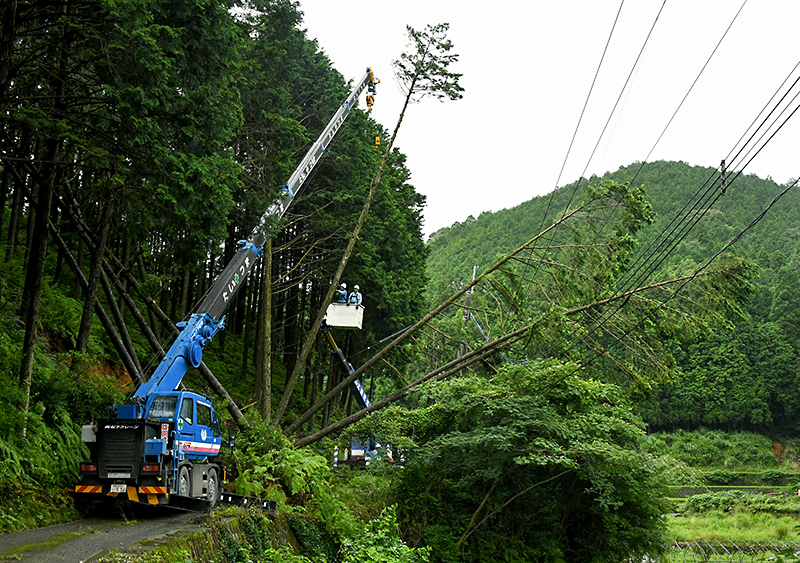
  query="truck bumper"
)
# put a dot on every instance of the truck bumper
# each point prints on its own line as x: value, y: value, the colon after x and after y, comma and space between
x: 144, y: 495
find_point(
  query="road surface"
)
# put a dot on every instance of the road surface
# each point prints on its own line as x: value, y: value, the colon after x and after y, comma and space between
x: 91, y: 538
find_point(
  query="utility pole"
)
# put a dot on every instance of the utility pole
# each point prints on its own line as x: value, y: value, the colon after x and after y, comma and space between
x: 462, y: 347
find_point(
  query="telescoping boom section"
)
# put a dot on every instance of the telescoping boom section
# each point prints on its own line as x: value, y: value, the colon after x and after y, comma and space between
x: 209, y: 319
x: 163, y: 446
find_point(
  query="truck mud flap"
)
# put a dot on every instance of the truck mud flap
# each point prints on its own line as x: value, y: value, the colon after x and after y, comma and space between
x: 270, y: 506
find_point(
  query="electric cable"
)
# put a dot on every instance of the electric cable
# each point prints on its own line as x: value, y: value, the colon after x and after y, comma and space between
x: 666, y: 239
x: 680, y: 105
x: 685, y: 225
x: 611, y: 114
x: 678, y: 109
x: 684, y: 213
x: 697, y: 271
x: 580, y: 118
x: 704, y: 266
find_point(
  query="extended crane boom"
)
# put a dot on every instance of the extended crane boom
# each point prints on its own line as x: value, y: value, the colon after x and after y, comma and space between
x: 163, y: 446
x: 209, y: 319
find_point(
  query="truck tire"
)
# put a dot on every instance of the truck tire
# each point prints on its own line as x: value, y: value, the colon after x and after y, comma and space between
x: 213, y: 487
x: 184, y: 482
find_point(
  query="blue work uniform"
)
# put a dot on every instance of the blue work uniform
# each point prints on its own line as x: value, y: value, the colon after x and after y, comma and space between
x: 355, y: 298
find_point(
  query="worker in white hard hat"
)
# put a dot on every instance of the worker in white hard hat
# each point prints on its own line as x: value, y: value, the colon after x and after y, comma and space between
x: 341, y: 294
x: 355, y: 296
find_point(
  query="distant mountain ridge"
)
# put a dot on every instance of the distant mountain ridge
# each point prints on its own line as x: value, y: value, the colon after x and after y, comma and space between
x: 669, y: 185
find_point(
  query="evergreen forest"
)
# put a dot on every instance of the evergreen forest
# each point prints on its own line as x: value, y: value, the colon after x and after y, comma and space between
x: 142, y: 141
x: 736, y: 375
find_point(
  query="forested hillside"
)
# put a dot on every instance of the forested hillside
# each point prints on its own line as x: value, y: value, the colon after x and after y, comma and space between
x: 737, y: 375
x: 141, y: 141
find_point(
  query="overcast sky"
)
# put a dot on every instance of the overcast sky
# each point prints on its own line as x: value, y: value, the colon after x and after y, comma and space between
x: 527, y: 70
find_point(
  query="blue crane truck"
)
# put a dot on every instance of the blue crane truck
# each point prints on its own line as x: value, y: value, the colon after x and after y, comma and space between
x: 162, y: 447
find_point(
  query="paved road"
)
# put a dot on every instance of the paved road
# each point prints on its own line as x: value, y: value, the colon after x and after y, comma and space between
x: 91, y: 538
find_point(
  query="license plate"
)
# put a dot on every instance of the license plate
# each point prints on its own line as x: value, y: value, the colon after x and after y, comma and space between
x: 116, y: 488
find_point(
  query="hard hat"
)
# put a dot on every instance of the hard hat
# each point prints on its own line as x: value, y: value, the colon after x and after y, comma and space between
x: 356, y: 287
x: 343, y: 286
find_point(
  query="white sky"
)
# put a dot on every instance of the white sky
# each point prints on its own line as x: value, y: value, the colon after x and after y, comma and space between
x: 527, y: 68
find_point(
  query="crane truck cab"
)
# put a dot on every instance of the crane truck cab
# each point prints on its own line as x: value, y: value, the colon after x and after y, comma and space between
x: 170, y: 447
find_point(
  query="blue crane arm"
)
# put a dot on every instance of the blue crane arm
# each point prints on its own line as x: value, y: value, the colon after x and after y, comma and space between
x: 185, y: 351
x: 202, y: 326
x: 355, y: 387
x: 228, y: 283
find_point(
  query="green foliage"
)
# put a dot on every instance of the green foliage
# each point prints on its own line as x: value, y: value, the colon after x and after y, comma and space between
x: 534, y: 463
x: 380, y: 542
x: 188, y: 124
x: 785, y: 555
x: 722, y: 501
x: 232, y: 549
x: 738, y: 378
x: 334, y: 511
x: 720, y: 477
x: 732, y: 527
x: 562, y: 285
x: 735, y: 515
x: 314, y: 537
x: 269, y: 466
x: 67, y: 389
x: 42, y: 506
x: 367, y: 493
x: 422, y: 69
x: 157, y: 556
x: 51, y: 451
x: 716, y: 449
x: 772, y: 477
x: 739, y: 501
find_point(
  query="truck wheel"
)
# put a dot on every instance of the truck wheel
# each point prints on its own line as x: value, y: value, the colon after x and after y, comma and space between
x: 213, y: 487
x: 184, y: 483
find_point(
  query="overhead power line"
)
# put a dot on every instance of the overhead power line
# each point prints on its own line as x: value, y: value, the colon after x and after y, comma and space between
x: 703, y: 199
x: 689, y: 91
x: 687, y: 221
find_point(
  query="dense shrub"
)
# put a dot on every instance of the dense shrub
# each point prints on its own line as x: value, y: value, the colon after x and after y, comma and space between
x: 739, y: 501
x: 703, y: 503
x: 716, y: 449
x: 720, y: 477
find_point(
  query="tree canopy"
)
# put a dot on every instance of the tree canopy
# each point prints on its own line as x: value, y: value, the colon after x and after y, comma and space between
x: 142, y: 141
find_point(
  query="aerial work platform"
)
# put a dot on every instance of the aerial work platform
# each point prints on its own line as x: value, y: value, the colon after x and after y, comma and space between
x: 342, y: 315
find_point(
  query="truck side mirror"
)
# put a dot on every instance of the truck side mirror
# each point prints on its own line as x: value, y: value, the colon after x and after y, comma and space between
x: 231, y: 440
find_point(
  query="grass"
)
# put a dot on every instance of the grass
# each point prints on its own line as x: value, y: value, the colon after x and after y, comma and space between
x: 42, y: 506
x: 17, y: 552
x: 721, y: 526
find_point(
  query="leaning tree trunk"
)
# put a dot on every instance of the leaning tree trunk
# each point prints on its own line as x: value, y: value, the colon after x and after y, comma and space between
x: 263, y: 389
x: 312, y: 334
x: 34, y: 276
x: 115, y: 338
x: 94, y: 280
